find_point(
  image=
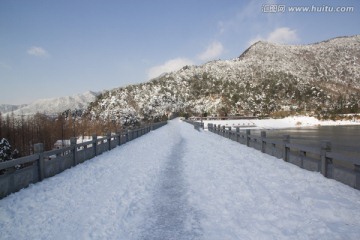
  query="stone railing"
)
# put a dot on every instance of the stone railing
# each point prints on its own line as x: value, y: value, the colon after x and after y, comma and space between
x: 19, y: 173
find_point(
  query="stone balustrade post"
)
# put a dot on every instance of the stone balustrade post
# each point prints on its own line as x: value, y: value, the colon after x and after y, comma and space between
x: 326, y: 163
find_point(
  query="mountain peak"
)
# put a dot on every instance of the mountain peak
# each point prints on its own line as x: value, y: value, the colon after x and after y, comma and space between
x: 333, y: 42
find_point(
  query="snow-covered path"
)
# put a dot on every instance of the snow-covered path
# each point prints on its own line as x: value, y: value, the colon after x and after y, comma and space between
x: 170, y: 215
x: 178, y: 183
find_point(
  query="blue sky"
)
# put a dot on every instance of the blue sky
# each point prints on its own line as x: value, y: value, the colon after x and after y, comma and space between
x: 57, y: 48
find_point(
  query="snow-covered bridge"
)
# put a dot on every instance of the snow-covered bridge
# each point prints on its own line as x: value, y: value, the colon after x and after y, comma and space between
x: 178, y: 183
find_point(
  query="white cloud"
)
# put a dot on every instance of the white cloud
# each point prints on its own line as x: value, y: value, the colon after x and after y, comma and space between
x: 283, y: 35
x: 248, y: 17
x: 37, y: 51
x: 168, y: 66
x: 214, y: 50
x: 222, y: 26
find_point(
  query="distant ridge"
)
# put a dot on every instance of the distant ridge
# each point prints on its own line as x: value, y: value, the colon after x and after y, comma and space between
x: 5, y: 108
x: 56, y: 105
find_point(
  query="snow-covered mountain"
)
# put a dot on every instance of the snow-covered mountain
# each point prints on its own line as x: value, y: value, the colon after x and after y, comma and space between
x: 57, y: 105
x: 5, y: 108
x: 267, y: 78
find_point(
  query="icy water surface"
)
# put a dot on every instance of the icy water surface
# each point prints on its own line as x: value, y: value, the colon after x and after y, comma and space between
x: 344, y: 139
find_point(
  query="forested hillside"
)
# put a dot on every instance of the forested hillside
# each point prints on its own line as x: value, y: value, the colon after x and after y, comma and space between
x: 322, y: 79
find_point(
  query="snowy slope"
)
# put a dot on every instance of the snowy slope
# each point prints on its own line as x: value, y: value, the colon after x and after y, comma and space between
x: 333, y: 60
x: 58, y: 105
x: 178, y: 183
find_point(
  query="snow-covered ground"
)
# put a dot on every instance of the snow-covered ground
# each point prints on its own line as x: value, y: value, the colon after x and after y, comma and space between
x: 288, y: 122
x: 179, y: 183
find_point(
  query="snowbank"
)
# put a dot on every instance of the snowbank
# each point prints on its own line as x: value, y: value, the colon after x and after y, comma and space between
x: 288, y: 122
x: 179, y: 183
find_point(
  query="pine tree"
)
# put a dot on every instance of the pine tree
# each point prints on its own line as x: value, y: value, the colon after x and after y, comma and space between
x: 5, y: 150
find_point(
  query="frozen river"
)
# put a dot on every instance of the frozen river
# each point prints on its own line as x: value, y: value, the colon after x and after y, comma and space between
x: 344, y: 139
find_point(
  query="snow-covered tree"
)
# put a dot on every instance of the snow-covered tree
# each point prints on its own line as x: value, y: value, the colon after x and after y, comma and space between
x: 5, y: 150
